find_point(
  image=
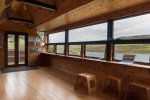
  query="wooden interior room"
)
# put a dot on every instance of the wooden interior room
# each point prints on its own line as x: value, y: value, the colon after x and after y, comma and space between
x: 74, y: 49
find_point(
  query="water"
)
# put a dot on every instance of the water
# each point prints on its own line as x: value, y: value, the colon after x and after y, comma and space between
x: 118, y: 56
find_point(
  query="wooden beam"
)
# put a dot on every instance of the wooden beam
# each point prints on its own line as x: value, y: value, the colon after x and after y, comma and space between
x: 39, y: 4
x: 20, y: 20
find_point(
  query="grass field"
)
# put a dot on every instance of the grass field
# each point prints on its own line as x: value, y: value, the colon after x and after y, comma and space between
x: 119, y: 48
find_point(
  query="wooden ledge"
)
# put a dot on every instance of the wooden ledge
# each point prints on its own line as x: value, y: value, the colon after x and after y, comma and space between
x: 102, y: 61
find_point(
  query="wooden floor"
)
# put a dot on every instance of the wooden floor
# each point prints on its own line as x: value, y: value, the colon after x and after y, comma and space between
x: 43, y: 84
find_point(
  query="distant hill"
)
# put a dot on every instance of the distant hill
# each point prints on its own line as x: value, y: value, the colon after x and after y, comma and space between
x: 135, y: 37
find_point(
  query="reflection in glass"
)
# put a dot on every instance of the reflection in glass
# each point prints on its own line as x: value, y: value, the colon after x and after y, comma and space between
x: 11, y: 49
x: 21, y: 49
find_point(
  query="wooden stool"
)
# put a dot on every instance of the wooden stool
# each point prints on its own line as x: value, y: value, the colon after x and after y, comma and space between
x: 132, y: 85
x: 89, y: 78
x: 116, y: 79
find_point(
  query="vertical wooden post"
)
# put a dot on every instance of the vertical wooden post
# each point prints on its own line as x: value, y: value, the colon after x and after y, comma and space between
x: 46, y: 41
x: 109, y: 45
x: 55, y: 48
x: 66, y: 50
x: 82, y: 50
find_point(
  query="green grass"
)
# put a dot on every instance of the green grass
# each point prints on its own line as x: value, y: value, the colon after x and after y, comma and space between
x: 11, y: 43
x: 133, y: 48
x: 119, y: 48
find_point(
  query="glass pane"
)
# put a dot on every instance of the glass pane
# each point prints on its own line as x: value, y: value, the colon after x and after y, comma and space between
x: 11, y: 49
x: 41, y: 35
x: 21, y: 49
x: 132, y: 28
x: 142, y: 51
x: 90, y: 33
x: 75, y: 50
x: 60, y: 49
x: 51, y: 48
x: 95, y: 51
x: 57, y: 37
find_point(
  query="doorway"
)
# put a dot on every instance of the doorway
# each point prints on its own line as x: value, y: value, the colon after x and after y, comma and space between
x: 16, y: 49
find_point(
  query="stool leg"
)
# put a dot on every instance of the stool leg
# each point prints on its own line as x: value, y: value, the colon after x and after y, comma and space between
x: 132, y: 90
x: 148, y: 94
x: 119, y: 86
x: 126, y: 93
x: 88, y: 84
x: 83, y: 80
x: 110, y: 84
x: 104, y: 84
x: 95, y: 83
x: 75, y: 86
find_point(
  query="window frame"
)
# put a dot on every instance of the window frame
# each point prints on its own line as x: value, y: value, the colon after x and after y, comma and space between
x: 99, y: 51
x: 74, y: 44
x: 136, y: 62
x: 129, y: 41
x: 60, y: 45
x: 55, y: 44
x: 111, y: 41
x: 40, y: 36
x: 89, y: 26
x: 82, y: 52
x: 53, y: 49
x: 55, y: 33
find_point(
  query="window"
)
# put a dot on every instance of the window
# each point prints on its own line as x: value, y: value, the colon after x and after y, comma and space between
x: 60, y: 49
x: 94, y: 33
x: 142, y: 51
x: 41, y: 35
x: 75, y: 50
x: 95, y: 51
x: 132, y: 28
x: 57, y: 37
x: 89, y: 33
x: 56, y: 42
x: 51, y: 48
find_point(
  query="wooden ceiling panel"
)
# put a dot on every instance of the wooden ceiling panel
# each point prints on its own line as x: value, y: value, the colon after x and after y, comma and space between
x: 2, y: 5
x: 63, y: 6
x: 73, y: 13
x: 17, y: 27
x: 135, y: 10
x: 90, y: 10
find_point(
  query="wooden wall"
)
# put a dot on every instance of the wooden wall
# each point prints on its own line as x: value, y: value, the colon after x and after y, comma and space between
x: 75, y: 65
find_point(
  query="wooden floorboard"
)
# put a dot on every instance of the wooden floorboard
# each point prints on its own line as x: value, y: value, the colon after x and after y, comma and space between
x: 44, y: 84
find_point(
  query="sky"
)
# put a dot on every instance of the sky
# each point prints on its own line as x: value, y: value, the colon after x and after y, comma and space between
x: 133, y: 26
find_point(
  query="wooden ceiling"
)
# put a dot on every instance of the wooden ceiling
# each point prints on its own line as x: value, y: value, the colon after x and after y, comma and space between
x: 90, y: 10
x: 76, y: 13
x: 2, y: 5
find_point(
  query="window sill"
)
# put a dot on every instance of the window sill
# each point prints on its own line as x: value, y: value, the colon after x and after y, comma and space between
x: 130, y: 65
x: 103, y: 61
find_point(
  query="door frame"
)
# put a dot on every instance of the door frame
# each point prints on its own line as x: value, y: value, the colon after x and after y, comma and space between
x: 16, y: 48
